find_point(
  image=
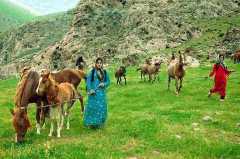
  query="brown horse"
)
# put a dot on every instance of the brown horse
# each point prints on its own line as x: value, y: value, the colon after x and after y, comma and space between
x: 21, y: 123
x: 236, y: 56
x: 25, y: 94
x: 177, y: 72
x: 144, y: 68
x: 121, y: 72
x: 71, y: 76
x: 58, y: 95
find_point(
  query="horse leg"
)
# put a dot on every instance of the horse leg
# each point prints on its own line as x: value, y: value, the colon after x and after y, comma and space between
x: 51, y: 129
x: 176, y: 83
x: 60, y: 120
x: 80, y: 100
x: 44, y: 113
x: 125, y: 80
x: 52, y: 121
x: 120, y: 80
x: 38, y: 116
x: 67, y: 115
x: 169, y: 81
x: 117, y: 80
x: 180, y: 84
x: 149, y: 77
x: 154, y: 78
x: 70, y: 104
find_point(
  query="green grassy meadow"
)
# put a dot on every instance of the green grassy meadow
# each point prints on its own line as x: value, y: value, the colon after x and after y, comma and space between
x: 145, y: 121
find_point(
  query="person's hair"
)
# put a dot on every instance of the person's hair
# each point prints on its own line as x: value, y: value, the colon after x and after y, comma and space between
x: 99, y: 59
x: 221, y: 55
x: 103, y: 72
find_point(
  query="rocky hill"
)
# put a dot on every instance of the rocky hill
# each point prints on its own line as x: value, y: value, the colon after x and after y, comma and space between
x: 120, y: 31
x: 20, y: 45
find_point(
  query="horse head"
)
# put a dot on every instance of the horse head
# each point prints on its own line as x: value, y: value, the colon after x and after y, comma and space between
x: 20, y: 122
x: 44, y: 83
x: 123, y: 68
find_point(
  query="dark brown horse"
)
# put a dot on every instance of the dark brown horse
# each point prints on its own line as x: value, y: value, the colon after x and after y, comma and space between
x: 177, y: 72
x: 121, y: 72
x: 26, y: 93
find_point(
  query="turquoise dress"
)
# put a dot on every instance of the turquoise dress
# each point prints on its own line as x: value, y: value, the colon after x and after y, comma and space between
x: 95, y: 112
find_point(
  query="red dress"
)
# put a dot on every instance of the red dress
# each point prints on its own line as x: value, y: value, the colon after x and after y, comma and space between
x: 221, y: 73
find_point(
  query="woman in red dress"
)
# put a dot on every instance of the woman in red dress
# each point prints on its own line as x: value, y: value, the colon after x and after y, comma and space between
x: 221, y: 74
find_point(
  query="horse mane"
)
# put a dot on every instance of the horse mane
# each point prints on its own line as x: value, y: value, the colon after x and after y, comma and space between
x: 19, y: 90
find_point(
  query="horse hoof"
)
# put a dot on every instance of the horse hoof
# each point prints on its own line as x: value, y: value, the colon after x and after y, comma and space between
x: 50, y: 135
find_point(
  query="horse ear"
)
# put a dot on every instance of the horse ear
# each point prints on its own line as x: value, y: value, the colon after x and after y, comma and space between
x: 12, y: 111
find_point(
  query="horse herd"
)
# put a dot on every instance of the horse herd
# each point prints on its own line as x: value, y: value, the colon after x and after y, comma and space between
x: 55, y: 93
x: 152, y: 68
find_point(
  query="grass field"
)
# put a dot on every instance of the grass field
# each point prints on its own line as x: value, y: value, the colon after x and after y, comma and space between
x: 144, y: 121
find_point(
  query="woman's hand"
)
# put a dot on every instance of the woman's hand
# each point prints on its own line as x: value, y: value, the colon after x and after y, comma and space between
x: 101, y: 85
x: 91, y: 92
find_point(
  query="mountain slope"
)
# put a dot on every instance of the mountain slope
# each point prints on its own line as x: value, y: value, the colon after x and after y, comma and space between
x: 21, y: 44
x: 139, y: 28
x: 108, y: 29
x: 12, y: 15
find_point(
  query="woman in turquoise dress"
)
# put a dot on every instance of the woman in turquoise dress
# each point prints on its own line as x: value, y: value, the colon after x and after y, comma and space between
x: 95, y: 112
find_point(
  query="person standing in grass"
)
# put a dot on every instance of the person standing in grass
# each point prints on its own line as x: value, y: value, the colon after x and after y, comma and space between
x: 220, y: 73
x: 95, y: 112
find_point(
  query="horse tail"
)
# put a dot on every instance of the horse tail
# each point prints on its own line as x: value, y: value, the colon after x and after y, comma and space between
x: 74, y: 91
x: 138, y: 69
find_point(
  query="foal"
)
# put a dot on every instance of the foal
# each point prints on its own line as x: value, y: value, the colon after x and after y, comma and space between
x: 121, y: 72
x: 177, y: 72
x: 57, y: 95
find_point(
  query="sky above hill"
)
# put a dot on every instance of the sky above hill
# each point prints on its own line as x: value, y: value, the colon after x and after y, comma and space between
x: 43, y: 7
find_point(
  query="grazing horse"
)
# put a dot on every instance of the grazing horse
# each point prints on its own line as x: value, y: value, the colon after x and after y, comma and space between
x: 58, y: 95
x: 121, y: 72
x: 25, y: 94
x: 177, y: 72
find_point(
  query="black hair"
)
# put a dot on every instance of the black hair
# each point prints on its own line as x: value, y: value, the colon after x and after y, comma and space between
x: 99, y: 59
x: 103, y: 72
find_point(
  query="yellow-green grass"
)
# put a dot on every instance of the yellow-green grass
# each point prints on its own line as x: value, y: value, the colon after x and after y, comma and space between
x: 144, y: 121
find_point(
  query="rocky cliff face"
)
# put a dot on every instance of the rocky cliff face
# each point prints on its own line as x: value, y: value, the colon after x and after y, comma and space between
x: 117, y: 30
